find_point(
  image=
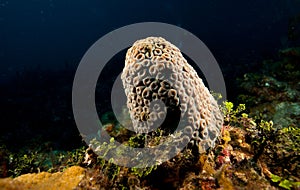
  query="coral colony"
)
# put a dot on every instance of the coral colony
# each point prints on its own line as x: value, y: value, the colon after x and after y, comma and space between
x: 158, y: 82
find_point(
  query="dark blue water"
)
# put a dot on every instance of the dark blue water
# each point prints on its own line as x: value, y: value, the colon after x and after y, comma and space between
x: 49, y: 32
x: 40, y: 40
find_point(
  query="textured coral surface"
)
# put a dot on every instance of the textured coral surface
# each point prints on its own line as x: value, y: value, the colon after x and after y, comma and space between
x: 161, y: 86
x: 68, y: 179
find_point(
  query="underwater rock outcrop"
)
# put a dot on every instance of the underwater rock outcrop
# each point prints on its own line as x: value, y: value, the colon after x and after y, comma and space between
x: 160, y: 85
x: 274, y: 91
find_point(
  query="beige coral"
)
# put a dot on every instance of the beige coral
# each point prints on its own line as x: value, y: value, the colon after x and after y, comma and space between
x: 158, y: 80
